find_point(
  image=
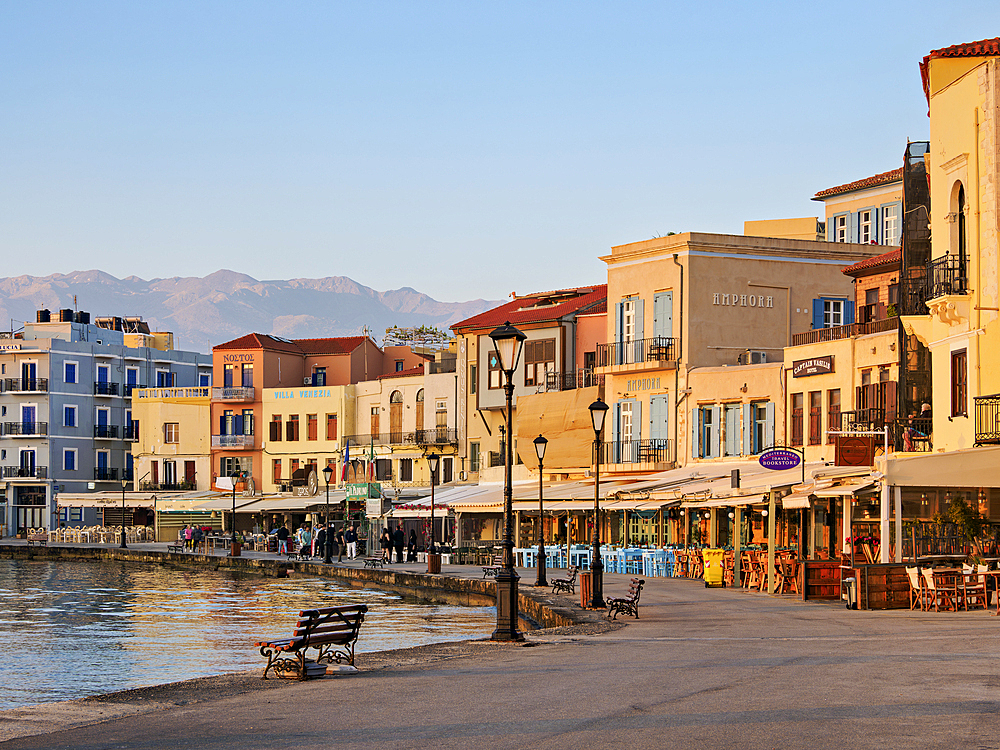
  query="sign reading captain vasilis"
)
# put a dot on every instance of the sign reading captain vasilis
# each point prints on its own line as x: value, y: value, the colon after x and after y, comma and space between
x: 803, y: 368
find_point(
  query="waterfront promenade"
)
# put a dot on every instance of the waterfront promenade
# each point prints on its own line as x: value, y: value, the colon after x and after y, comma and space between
x: 701, y: 668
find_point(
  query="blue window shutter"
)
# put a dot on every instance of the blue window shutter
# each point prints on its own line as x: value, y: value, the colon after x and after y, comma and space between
x: 616, y: 419
x: 663, y: 314
x: 732, y: 439
x: 222, y: 424
x: 747, y: 430
x: 848, y: 312
x: 817, y: 314
x: 695, y: 434
x: 716, y: 431
x: 852, y: 227
x: 238, y: 424
x: 876, y: 224
x: 768, y: 425
x: 618, y: 322
x: 830, y: 231
x: 639, y: 318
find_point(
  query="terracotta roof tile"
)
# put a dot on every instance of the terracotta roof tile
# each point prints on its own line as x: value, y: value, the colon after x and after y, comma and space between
x: 895, y: 175
x: 337, y: 345
x: 982, y: 48
x: 891, y: 258
x: 527, y: 309
x: 260, y: 341
x: 418, y: 370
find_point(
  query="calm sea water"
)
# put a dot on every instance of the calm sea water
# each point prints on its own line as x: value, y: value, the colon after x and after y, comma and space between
x: 74, y: 629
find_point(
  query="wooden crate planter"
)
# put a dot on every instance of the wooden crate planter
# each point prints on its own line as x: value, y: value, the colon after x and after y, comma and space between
x: 819, y: 579
x: 882, y: 586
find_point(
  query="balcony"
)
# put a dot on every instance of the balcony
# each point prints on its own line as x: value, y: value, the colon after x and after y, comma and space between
x: 439, y: 436
x: 436, y: 436
x: 102, y: 388
x: 166, y: 486
x: 656, y: 352
x: 106, y: 431
x: 947, y: 275
x: 26, y: 429
x: 25, y: 385
x: 232, y: 394
x: 988, y: 419
x: 106, y: 475
x: 131, y: 432
x: 129, y: 387
x: 25, y: 472
x: 571, y: 380
x: 909, y: 434
x: 651, y: 451
x: 850, y: 330
x: 237, y: 442
x: 191, y: 391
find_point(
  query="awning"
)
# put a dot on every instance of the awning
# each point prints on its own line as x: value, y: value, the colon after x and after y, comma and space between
x: 796, y: 500
x: 970, y: 467
x: 844, y: 490
x: 727, y: 502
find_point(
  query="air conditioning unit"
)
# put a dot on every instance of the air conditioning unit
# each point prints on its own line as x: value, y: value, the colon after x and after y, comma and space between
x: 307, y: 381
x: 758, y: 358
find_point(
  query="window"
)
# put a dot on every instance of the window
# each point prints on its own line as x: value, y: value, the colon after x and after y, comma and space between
x: 871, y: 296
x: 275, y: 428
x: 865, y: 227
x: 628, y: 320
x: 495, y: 373
x: 473, y: 456
x: 441, y: 414
x: 473, y: 370
x: 276, y: 470
x: 164, y: 379
x: 69, y: 416
x: 230, y: 464
x: 832, y: 413
x: 69, y: 372
x: 246, y: 379
x: 171, y: 432
x: 706, y: 432
x: 539, y: 360
x: 447, y: 465
x: 840, y: 228
x: 247, y: 422
x: 815, y: 417
x: 331, y: 426
x: 406, y: 470
x: 204, y: 380
x: 893, y: 294
x: 226, y: 426
x: 762, y: 424
x: 319, y: 376
x: 383, y: 470
x: 797, y: 402
x: 312, y: 427
x: 959, y: 382
x: 833, y: 313
x: 69, y: 459
x: 227, y: 376
x: 292, y: 428
x: 866, y: 377
x: 890, y: 225
x: 170, y: 472
x: 399, y: 365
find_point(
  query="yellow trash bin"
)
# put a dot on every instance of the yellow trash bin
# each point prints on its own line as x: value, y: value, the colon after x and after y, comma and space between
x: 714, y: 562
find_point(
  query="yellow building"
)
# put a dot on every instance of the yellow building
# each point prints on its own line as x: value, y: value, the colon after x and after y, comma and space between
x: 172, y: 448
x: 867, y: 211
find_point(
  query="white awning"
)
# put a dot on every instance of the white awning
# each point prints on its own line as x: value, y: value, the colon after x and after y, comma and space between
x: 796, y: 500
x: 844, y: 490
x: 970, y: 467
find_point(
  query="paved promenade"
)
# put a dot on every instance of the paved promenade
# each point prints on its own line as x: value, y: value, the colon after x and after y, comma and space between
x: 701, y: 669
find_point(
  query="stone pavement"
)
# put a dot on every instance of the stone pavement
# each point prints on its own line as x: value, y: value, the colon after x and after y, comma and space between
x: 701, y: 669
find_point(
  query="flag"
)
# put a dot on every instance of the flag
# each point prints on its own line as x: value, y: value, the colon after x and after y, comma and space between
x: 371, y: 463
x: 347, y: 454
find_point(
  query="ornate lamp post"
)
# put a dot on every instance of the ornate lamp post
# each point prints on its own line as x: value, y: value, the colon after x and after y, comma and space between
x: 540, y: 444
x: 432, y: 463
x: 124, y: 485
x: 234, y: 548
x: 327, y: 547
x: 598, y: 411
x: 508, y: 341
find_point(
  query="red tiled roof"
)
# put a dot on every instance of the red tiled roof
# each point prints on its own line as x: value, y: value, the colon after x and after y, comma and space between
x: 532, y: 308
x: 982, y: 48
x: 418, y: 370
x: 891, y: 258
x: 895, y: 175
x: 337, y: 345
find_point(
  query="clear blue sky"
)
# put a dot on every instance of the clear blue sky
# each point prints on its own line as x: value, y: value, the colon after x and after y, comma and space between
x: 466, y: 149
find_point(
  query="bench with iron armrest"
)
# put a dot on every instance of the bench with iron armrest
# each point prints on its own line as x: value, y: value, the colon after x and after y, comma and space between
x: 490, y: 571
x: 177, y: 546
x: 332, y: 631
x: 374, y: 562
x: 628, y: 604
x: 304, y: 552
x: 40, y: 538
x: 566, y: 584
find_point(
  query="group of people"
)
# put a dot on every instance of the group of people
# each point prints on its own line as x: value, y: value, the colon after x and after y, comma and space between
x: 192, y: 535
x: 397, y: 540
x: 342, y: 540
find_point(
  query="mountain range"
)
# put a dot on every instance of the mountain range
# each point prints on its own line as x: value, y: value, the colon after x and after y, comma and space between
x: 202, y: 312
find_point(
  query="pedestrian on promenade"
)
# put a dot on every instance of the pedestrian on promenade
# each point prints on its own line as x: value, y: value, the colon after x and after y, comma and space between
x: 187, y: 536
x: 385, y: 542
x: 411, y: 547
x: 196, y: 536
x: 352, y: 542
x: 320, y: 541
x: 341, y: 545
x: 400, y: 541
x: 283, y: 535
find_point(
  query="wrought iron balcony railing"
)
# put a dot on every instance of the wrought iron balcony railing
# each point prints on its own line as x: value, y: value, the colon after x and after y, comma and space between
x: 102, y: 388
x: 655, y: 450
x: 105, y: 475
x: 835, y: 333
x: 230, y: 393
x: 25, y: 472
x: 232, y: 441
x: 166, y: 486
x: 26, y: 428
x: 637, y: 351
x: 14, y: 385
x: 947, y: 275
x: 988, y: 419
x: 107, y: 431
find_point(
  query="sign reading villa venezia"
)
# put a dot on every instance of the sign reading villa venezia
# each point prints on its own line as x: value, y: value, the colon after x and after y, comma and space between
x: 802, y: 368
x: 305, y: 393
x: 742, y: 300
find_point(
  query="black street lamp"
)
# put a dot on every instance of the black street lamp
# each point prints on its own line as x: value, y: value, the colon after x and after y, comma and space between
x: 432, y: 463
x: 124, y: 485
x: 327, y: 546
x: 598, y: 411
x: 540, y: 444
x: 508, y: 341
x: 234, y: 549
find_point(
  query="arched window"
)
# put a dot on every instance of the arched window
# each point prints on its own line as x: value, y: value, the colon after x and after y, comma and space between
x: 396, y: 397
x: 420, y: 396
x: 960, y: 210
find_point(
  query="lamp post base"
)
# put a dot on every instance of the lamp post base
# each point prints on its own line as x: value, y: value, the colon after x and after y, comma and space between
x: 507, y: 607
x: 597, y: 585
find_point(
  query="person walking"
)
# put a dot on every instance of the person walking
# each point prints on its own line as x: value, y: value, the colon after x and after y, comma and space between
x: 400, y: 541
x: 352, y: 542
x: 283, y: 540
x: 385, y: 541
x: 306, y: 540
x: 320, y: 540
x: 341, y: 545
x: 411, y: 547
x: 187, y: 536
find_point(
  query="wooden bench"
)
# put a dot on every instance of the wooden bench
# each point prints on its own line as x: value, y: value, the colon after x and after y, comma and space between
x: 491, y: 570
x: 374, y: 562
x: 628, y: 604
x: 332, y: 631
x: 568, y: 583
x: 175, y: 547
x: 41, y: 538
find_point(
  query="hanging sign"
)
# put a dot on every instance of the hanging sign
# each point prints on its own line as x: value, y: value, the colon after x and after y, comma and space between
x: 855, y: 450
x: 803, y: 368
x: 779, y: 459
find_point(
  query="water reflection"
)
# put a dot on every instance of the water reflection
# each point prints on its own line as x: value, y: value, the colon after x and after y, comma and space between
x: 82, y: 628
